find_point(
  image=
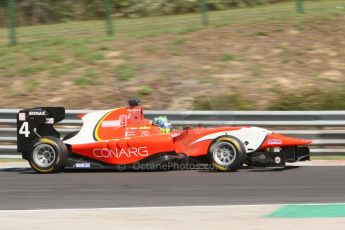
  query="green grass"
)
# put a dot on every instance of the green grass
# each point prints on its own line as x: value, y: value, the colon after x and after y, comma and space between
x: 86, y: 79
x: 94, y: 57
x: 306, y: 99
x: 309, y: 99
x: 56, y: 57
x: 6, y: 64
x: 29, y: 70
x: 229, y: 57
x: 154, y: 26
x: 256, y: 72
x: 150, y: 48
x: 124, y: 72
x: 261, y: 33
x: 80, y: 51
x: 178, y: 42
x: 63, y: 49
x: 77, y: 36
x: 219, y: 102
x: 31, y: 84
x: 103, y: 48
x: 146, y: 90
x: 58, y: 70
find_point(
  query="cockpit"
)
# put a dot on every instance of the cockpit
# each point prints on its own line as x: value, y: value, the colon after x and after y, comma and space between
x: 163, y: 123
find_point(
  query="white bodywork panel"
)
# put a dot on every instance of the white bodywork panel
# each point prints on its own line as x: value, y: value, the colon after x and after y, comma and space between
x: 85, y: 135
x: 253, y: 135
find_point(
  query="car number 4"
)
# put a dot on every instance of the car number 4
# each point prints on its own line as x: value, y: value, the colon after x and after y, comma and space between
x: 24, y: 130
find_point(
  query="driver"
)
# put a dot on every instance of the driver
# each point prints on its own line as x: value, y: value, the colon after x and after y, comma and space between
x: 164, y: 124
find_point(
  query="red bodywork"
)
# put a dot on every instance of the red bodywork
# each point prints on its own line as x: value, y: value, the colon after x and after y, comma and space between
x: 124, y: 136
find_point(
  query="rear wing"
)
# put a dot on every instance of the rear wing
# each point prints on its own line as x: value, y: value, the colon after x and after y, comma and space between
x: 35, y: 123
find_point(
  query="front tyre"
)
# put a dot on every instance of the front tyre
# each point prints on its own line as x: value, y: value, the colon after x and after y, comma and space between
x: 227, y: 154
x: 48, y: 155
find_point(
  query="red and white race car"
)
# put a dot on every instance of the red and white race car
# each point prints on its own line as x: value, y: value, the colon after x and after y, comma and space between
x: 123, y: 139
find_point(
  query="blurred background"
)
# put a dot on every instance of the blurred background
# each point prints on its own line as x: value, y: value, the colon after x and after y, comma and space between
x: 173, y: 54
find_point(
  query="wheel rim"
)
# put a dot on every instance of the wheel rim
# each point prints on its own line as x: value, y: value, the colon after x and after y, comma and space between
x: 44, y: 155
x: 224, y: 154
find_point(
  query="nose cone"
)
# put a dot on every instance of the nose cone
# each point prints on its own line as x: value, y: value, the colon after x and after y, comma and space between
x: 278, y: 140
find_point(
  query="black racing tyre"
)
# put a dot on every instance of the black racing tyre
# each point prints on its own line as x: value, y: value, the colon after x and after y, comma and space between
x: 227, y: 154
x: 48, y: 155
x: 70, y: 135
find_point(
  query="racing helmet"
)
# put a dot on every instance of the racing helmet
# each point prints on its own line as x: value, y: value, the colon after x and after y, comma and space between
x: 162, y: 122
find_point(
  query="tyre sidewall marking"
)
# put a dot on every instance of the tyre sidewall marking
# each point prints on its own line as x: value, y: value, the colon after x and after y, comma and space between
x: 217, y: 166
x: 233, y: 142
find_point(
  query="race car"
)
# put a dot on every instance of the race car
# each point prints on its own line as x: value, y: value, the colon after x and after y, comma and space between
x: 123, y: 138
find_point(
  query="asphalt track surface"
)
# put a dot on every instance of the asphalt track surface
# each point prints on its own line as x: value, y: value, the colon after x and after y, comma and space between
x: 23, y: 189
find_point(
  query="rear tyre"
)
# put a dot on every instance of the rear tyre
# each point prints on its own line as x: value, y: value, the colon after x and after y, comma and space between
x: 48, y: 155
x: 227, y: 154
